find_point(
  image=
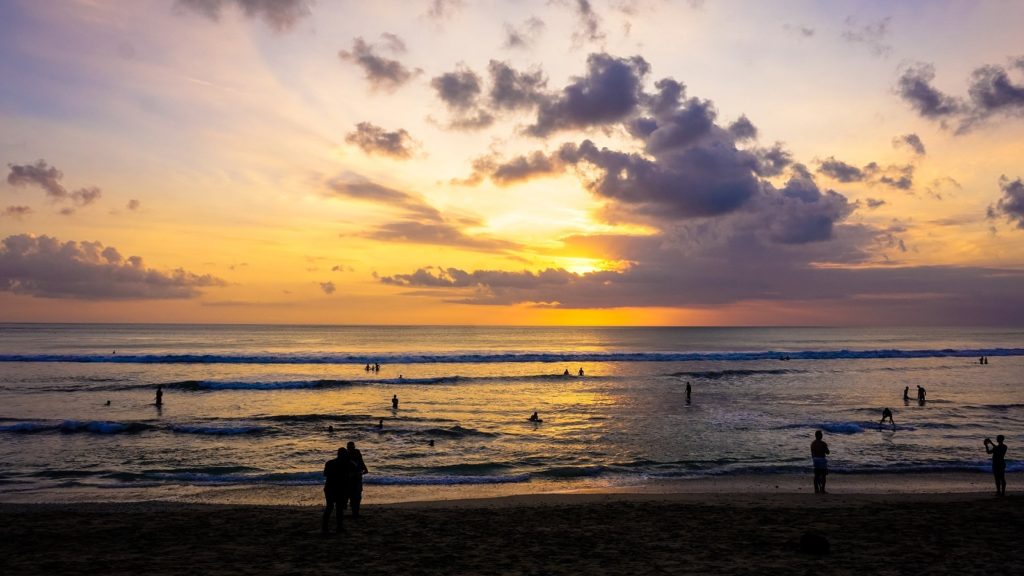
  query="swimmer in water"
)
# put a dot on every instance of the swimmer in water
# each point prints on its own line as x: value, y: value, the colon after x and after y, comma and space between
x: 534, y: 417
x: 886, y: 413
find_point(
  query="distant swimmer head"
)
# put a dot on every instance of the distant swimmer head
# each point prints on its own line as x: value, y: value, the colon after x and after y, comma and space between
x: 817, y: 434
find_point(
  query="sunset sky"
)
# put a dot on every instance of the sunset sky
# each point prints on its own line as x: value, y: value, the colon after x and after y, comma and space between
x: 646, y: 162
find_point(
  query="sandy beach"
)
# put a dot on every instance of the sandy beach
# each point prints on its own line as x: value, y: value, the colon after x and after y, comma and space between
x: 756, y: 531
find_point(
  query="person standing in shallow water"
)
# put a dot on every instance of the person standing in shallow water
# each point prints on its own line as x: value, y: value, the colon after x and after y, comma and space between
x: 906, y: 394
x: 159, y: 395
x: 394, y: 402
x: 687, y: 392
x: 819, y: 455
x: 998, y: 452
x: 338, y: 475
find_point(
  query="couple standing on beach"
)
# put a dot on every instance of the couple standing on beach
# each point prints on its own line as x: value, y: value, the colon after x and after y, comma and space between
x: 344, y: 483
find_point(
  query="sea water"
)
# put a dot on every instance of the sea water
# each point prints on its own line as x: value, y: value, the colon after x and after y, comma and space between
x: 267, y: 405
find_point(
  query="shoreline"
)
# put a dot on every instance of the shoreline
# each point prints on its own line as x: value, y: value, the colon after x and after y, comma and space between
x: 718, y: 488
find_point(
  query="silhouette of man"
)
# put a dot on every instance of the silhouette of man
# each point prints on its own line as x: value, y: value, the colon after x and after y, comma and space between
x: 534, y: 417
x: 338, y: 474
x: 998, y: 452
x: 886, y: 413
x: 687, y: 392
x: 394, y: 402
x: 355, y: 492
x: 160, y: 395
x: 566, y: 373
x: 819, y: 455
x: 906, y: 394
x: 581, y: 371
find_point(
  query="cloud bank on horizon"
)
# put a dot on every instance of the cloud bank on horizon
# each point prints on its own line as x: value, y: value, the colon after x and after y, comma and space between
x: 534, y: 158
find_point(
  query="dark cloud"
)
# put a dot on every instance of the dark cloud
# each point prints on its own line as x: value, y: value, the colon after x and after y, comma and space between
x: 774, y: 161
x: 872, y: 34
x: 45, y: 267
x: 359, y: 188
x: 610, y: 91
x: 376, y: 140
x: 915, y: 87
x: 328, y: 287
x: 49, y: 179
x: 743, y: 129
x: 393, y: 43
x: 38, y: 174
x: 690, y: 122
x: 382, y: 73
x: 515, y: 170
x: 697, y: 181
x: 840, y: 171
x: 514, y: 90
x: 912, y: 141
x: 134, y: 205
x: 873, y: 203
x: 894, y: 176
x: 992, y: 92
x: 524, y: 36
x: 459, y: 90
x: 17, y: 212
x: 1011, y: 204
x: 280, y: 15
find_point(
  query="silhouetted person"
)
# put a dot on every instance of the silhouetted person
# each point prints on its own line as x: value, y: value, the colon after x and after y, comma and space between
x: 819, y: 455
x: 367, y: 367
x: 355, y: 491
x: 687, y: 392
x: 160, y: 395
x: 981, y: 360
x: 338, y: 474
x: 431, y: 443
x: 330, y: 429
x: 108, y: 403
x: 534, y: 417
x: 921, y: 395
x: 581, y: 372
x: 394, y: 402
x: 566, y: 373
x: 906, y: 394
x: 886, y: 413
x: 376, y: 367
x: 998, y: 452
x: 380, y: 425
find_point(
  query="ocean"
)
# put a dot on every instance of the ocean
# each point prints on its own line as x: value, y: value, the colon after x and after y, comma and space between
x: 267, y: 405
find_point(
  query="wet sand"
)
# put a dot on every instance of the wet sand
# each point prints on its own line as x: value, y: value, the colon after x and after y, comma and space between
x: 747, y: 532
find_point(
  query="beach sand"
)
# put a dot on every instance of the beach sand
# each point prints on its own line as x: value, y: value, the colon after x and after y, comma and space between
x: 712, y: 532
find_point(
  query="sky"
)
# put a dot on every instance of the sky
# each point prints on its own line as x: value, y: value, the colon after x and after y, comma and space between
x: 562, y: 162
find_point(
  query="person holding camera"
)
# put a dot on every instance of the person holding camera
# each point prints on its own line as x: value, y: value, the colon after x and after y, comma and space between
x: 998, y: 452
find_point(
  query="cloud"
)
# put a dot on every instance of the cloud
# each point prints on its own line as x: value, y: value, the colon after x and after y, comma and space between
x: 17, y: 212
x: 991, y: 92
x: 134, y: 205
x: 1011, y: 204
x: 437, y: 233
x: 514, y: 90
x: 610, y: 91
x: 743, y: 129
x: 873, y: 203
x: 459, y: 90
x: 518, y: 169
x: 894, y: 176
x: 373, y: 139
x: 327, y: 287
x: 915, y: 87
x: 588, y: 22
x: 279, y: 15
x: 360, y: 188
x: 912, y: 141
x: 382, y: 73
x: 49, y: 179
x: 444, y: 9
x: 872, y: 34
x: 799, y: 30
x: 45, y: 267
x: 38, y: 174
x: 525, y: 35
